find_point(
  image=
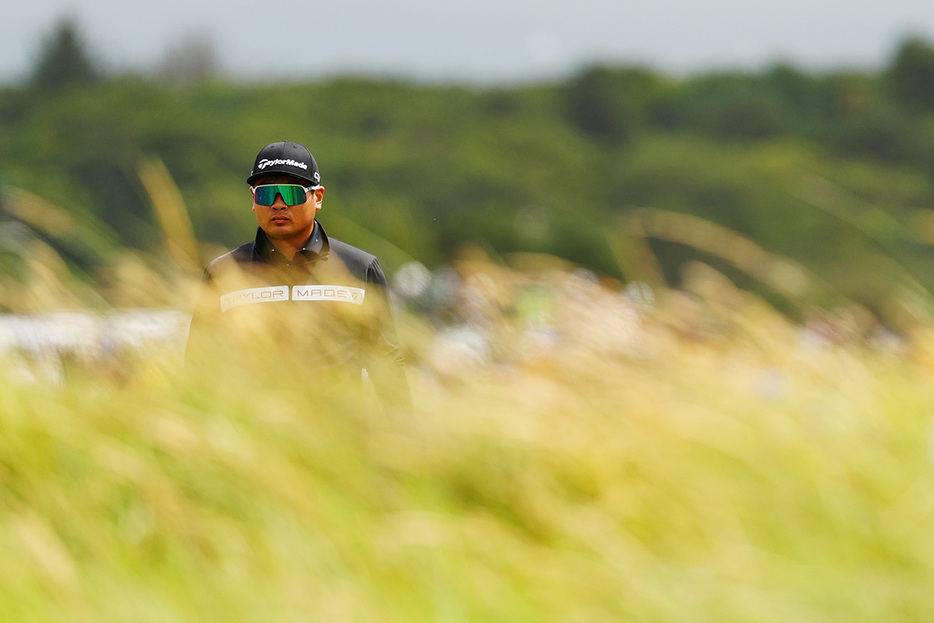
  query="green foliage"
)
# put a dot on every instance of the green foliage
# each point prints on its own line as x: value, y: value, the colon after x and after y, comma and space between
x: 64, y: 62
x: 609, y: 104
x: 911, y: 75
x: 729, y: 107
x: 549, y: 168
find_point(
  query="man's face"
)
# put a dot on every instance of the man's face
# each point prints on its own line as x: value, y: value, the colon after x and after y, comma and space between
x: 285, y: 222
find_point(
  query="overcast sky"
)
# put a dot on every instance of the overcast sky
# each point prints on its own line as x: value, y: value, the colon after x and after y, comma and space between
x: 479, y: 41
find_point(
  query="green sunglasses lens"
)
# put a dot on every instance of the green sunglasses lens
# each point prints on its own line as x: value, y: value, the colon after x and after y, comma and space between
x: 292, y: 194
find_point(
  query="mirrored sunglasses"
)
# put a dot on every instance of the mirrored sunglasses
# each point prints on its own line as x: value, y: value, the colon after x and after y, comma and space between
x: 292, y: 194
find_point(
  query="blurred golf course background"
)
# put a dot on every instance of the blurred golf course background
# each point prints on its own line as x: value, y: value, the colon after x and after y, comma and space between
x: 671, y: 342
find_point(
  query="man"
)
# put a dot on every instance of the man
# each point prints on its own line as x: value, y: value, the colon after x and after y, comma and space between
x: 296, y: 291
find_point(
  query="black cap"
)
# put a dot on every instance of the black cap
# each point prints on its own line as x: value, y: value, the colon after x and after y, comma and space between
x: 285, y: 158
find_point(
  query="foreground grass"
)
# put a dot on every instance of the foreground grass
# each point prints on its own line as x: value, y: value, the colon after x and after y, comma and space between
x: 744, y: 477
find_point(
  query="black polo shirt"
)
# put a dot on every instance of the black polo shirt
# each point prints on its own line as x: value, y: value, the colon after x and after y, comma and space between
x: 326, y: 275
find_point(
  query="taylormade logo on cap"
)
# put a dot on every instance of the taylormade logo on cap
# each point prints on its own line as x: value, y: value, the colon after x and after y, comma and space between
x: 262, y: 164
x: 286, y: 158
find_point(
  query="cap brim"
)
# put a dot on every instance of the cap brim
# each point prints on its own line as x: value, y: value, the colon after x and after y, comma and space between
x: 257, y: 176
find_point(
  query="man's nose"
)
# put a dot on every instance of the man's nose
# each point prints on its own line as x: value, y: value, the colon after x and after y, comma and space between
x: 279, y: 202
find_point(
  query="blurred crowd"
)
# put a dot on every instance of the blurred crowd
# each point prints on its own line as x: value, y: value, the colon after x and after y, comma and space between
x: 484, y: 316
x: 478, y: 316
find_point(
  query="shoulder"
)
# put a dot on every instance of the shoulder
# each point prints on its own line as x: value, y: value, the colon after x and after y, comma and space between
x: 357, y: 260
x: 241, y: 255
x: 362, y: 265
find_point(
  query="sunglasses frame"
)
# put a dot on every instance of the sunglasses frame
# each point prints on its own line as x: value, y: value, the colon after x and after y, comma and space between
x: 307, y: 189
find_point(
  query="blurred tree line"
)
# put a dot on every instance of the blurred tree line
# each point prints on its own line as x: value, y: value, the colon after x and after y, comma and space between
x: 833, y: 170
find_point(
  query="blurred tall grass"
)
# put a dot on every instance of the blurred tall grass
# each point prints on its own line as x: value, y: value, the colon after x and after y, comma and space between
x: 702, y: 459
x: 577, y: 451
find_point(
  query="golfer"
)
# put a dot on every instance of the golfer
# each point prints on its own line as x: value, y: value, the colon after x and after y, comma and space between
x: 310, y: 292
